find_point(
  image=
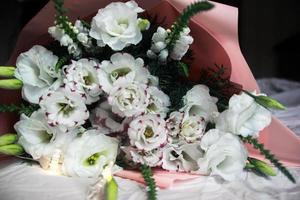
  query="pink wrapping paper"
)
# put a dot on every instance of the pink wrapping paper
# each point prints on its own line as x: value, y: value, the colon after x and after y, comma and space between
x: 216, y: 41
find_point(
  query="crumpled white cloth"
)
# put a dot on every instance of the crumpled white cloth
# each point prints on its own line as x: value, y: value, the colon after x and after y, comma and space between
x: 20, y: 181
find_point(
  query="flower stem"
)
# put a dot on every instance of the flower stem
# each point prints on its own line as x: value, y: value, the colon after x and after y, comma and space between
x: 184, y: 19
x: 150, y: 182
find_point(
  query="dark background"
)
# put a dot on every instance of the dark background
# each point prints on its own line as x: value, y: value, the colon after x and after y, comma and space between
x: 269, y: 33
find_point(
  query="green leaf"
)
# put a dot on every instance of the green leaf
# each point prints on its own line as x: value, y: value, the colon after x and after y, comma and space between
x: 61, y: 62
x: 184, y: 68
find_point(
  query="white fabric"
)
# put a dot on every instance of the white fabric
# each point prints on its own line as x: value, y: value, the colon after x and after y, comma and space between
x: 21, y: 181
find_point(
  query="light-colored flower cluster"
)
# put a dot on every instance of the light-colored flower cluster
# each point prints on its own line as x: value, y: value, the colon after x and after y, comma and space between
x: 159, y: 45
x: 126, y: 81
x: 186, y: 128
x: 64, y: 39
x: 75, y: 153
x: 89, y: 109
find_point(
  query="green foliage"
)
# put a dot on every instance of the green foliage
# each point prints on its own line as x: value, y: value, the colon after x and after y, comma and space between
x: 61, y: 62
x: 20, y: 109
x: 183, y: 69
x: 184, y: 19
x: 268, y: 155
x: 171, y: 82
x: 150, y: 182
x: 217, y: 79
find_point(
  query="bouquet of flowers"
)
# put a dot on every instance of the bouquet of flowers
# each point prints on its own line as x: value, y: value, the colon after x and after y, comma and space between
x: 114, y: 92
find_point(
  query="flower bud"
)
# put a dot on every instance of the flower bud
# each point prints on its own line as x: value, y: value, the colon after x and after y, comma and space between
x: 262, y: 167
x: 7, y: 71
x: 11, y: 84
x: 9, y: 138
x: 143, y: 24
x: 11, y: 149
x: 269, y: 102
x: 111, y: 186
x: 111, y: 189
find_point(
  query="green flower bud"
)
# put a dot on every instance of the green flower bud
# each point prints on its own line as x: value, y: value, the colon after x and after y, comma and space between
x: 11, y: 149
x: 143, y: 24
x: 7, y: 71
x: 11, y: 84
x: 9, y: 138
x: 269, y: 102
x: 111, y: 189
x: 262, y: 167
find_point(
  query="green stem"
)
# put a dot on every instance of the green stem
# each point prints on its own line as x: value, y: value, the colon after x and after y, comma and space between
x: 150, y: 182
x: 269, y: 156
x: 184, y: 19
x: 63, y: 21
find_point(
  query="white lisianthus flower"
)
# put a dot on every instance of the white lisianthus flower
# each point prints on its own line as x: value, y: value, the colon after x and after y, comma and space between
x: 104, y: 120
x: 116, y: 25
x: 244, y: 117
x: 64, y: 108
x: 81, y: 77
x: 159, y: 102
x: 182, y: 44
x: 88, y: 154
x: 122, y: 65
x: 147, y: 132
x: 38, y: 138
x: 134, y: 6
x: 128, y: 98
x: 225, y: 155
x: 181, y: 126
x: 198, y: 101
x: 151, y: 158
x: 36, y: 69
x: 192, y: 128
x: 183, y: 158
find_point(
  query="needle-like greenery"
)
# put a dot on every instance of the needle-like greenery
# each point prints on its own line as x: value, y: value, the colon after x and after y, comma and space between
x: 184, y: 19
x: 268, y: 155
x: 150, y: 182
